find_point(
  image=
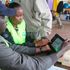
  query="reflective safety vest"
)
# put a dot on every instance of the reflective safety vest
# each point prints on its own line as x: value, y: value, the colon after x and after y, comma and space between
x: 19, y: 36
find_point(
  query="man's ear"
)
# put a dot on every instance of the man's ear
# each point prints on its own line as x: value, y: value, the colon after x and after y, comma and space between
x: 2, y: 24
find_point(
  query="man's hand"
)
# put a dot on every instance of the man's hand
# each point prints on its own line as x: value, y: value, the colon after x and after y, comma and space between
x: 43, y: 49
x: 41, y: 43
x: 46, y: 48
x: 65, y: 47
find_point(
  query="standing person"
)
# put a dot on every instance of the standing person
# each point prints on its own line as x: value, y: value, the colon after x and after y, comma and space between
x: 38, y: 19
x: 56, y: 14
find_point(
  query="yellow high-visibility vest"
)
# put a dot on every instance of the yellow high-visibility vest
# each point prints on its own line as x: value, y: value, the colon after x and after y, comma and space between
x: 19, y: 37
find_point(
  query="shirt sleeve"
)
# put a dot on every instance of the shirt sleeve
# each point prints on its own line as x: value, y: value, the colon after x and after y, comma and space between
x: 24, y: 49
x: 10, y: 59
x: 43, y: 15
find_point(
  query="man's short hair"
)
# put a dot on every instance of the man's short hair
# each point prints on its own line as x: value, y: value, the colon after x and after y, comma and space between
x: 14, y: 5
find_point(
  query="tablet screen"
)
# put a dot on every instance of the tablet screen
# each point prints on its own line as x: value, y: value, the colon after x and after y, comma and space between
x: 56, y: 43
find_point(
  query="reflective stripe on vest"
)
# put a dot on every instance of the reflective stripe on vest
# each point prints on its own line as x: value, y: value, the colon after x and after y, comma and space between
x: 18, y: 36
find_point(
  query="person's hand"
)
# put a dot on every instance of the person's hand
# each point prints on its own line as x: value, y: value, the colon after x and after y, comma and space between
x: 67, y: 42
x: 41, y: 43
x: 65, y: 47
x: 43, y: 49
x: 38, y: 50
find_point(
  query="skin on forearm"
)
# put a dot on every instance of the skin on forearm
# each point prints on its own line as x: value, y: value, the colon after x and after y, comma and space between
x: 43, y: 49
x: 41, y: 43
x: 38, y: 50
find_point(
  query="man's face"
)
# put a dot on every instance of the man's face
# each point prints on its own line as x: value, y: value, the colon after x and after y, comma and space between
x: 1, y: 16
x: 19, y: 16
x: 2, y: 24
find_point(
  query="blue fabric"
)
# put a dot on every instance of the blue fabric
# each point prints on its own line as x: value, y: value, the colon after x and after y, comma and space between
x: 6, y: 34
x: 65, y: 5
x: 6, y: 11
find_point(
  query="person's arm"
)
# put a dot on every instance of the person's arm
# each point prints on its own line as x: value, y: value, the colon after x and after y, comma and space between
x: 44, y: 16
x: 25, y: 49
x: 42, y: 42
x: 10, y: 59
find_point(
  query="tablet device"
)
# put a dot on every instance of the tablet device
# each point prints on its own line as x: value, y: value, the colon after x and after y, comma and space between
x: 56, y: 43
